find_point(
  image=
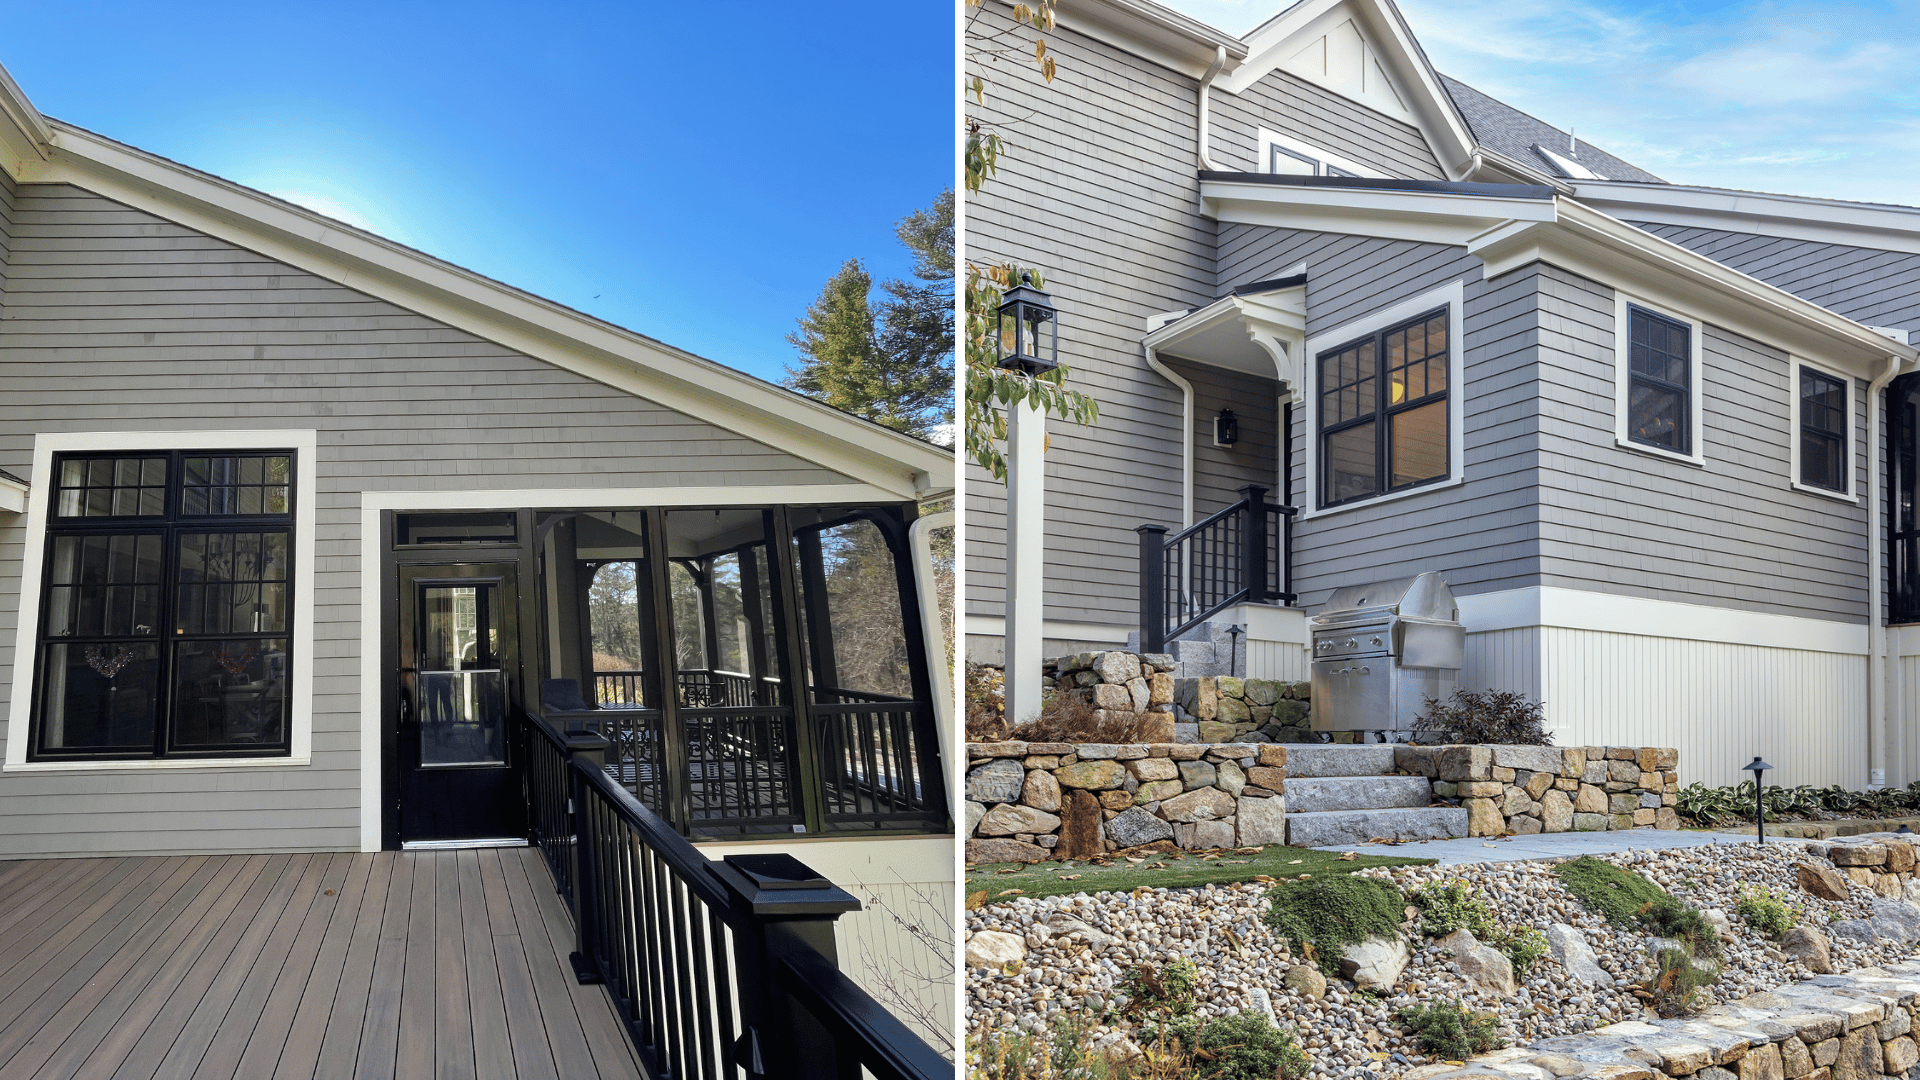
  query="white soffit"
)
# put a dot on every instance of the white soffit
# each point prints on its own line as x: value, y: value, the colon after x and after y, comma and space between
x: 1363, y: 51
x: 1257, y: 334
x: 1827, y: 221
x: 24, y: 135
x: 597, y: 350
x: 1152, y: 32
x: 1395, y: 214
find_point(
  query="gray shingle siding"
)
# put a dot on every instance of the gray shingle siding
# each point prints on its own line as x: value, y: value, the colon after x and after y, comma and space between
x: 1502, y: 128
x: 1879, y: 288
x: 117, y: 320
x: 1220, y: 472
x: 1290, y: 105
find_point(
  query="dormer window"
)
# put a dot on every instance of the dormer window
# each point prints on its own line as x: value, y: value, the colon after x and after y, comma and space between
x: 1283, y: 155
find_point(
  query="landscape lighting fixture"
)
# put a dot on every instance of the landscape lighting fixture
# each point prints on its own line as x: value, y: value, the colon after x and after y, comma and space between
x: 1028, y: 340
x: 1758, y: 768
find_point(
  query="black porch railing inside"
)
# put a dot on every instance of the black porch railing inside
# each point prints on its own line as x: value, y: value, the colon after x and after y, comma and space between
x: 1242, y: 554
x: 716, y: 969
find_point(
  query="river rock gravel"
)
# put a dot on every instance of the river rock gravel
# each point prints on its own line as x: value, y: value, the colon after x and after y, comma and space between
x: 1079, y: 949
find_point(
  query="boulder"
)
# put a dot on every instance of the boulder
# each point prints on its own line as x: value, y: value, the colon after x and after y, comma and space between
x: 1575, y: 956
x: 1870, y: 854
x: 997, y: 781
x: 1009, y: 820
x: 994, y: 949
x: 1375, y: 964
x: 992, y: 851
x: 1900, y: 858
x: 1042, y: 792
x: 1556, y: 812
x: 1261, y: 821
x: 1822, y: 882
x: 1200, y: 804
x: 1136, y: 826
x: 1892, y: 920
x: 1092, y: 775
x: 1116, y: 667
x: 1525, y: 825
x: 1112, y: 696
x: 1258, y: 1002
x: 1306, y: 980
x: 1900, y: 1055
x: 1483, y: 966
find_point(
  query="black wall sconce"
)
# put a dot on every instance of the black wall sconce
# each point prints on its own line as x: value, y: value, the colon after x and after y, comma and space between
x: 1226, y: 430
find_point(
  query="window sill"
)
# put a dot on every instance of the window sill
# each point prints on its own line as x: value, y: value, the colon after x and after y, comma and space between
x: 1697, y: 461
x: 1836, y: 496
x: 1451, y: 482
x: 161, y: 763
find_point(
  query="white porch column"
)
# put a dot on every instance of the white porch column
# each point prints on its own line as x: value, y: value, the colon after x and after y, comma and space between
x: 1026, y: 554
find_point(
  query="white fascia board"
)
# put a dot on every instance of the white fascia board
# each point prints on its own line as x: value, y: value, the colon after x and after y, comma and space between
x: 1432, y: 217
x: 1617, y: 255
x: 1270, y: 44
x: 1493, y: 167
x: 624, y: 360
x: 1151, y: 32
x: 24, y: 135
x: 1827, y: 221
x: 13, y: 496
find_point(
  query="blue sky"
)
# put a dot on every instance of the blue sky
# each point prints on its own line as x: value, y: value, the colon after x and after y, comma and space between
x: 1789, y: 96
x: 691, y: 177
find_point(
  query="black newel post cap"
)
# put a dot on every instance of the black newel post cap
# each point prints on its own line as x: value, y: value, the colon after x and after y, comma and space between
x: 777, y: 884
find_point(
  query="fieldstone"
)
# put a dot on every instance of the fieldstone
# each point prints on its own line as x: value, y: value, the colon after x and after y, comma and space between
x: 1080, y: 826
x: 1258, y: 1002
x: 1264, y: 777
x: 1525, y: 825
x: 1289, y: 713
x: 1547, y: 759
x: 1375, y: 964
x: 1214, y: 731
x: 991, y: 851
x: 1595, y: 772
x: 1153, y: 768
x: 1160, y: 689
x: 1273, y: 757
x: 1305, y: 979
x: 1860, y: 1056
x: 1481, y: 965
x: 1261, y: 821
x: 1117, y: 667
x: 1623, y: 772
x: 1892, y: 920
x: 1573, y: 760
x: 1535, y: 784
x: 1826, y: 1052
x: 1262, y: 691
x: 1822, y: 882
x: 1131, y: 828
x: 994, y: 949
x: 1911, y: 890
x: 996, y: 782
x: 975, y: 811
x: 1457, y: 763
x: 1233, y: 711
x: 1795, y: 1059
x: 1156, y: 790
x: 1590, y: 822
x: 1900, y: 1055
x: 1156, y: 727
x: 1858, y: 854
x: 1590, y: 800
x: 1093, y: 775
x: 1112, y: 696
x: 1556, y: 812
x: 1141, y: 694
x: 1478, y: 789
x: 1666, y: 818
x: 1117, y: 800
x: 1762, y: 1063
x: 1042, y: 792
x: 1900, y: 858
x: 1200, y: 696
x: 1622, y: 804
x: 1898, y: 1022
x: 1483, y: 818
x: 1197, y: 774
x: 1009, y: 820
x: 1230, y: 778
x: 1575, y: 956
x: 1200, y: 804
x: 1203, y: 835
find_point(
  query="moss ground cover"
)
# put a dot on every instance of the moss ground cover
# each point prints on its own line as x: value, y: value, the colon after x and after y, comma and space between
x: 1335, y: 910
x: 1004, y: 881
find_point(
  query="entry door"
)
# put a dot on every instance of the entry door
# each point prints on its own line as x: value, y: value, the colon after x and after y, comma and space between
x: 458, y: 670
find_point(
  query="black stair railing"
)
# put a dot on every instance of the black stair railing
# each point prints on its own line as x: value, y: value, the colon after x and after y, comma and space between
x: 719, y: 970
x: 1242, y: 554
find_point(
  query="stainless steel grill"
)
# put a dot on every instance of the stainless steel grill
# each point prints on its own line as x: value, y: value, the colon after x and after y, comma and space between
x: 1381, y: 650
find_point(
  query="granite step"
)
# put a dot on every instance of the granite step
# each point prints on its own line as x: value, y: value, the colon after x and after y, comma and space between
x: 1337, y: 759
x: 1316, y: 794
x: 1330, y: 827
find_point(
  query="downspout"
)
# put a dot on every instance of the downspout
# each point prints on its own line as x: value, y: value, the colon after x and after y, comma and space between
x: 1186, y: 427
x: 1206, y: 81
x: 1877, y: 637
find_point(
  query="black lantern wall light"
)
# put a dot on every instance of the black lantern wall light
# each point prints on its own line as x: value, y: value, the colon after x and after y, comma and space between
x: 1028, y: 340
x: 1226, y: 429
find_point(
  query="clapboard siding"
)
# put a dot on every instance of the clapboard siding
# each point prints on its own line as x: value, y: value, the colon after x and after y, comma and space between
x: 1287, y: 104
x: 7, y: 213
x: 1731, y: 534
x: 1879, y: 288
x: 1284, y: 660
x: 1220, y: 472
x: 1097, y: 189
x: 1482, y: 535
x: 117, y: 320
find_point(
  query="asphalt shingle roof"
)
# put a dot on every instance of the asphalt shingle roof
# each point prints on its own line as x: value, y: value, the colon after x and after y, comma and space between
x: 1502, y: 128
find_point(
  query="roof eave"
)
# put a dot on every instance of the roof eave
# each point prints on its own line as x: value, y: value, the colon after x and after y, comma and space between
x: 1870, y: 225
x: 24, y: 134
x: 1152, y: 31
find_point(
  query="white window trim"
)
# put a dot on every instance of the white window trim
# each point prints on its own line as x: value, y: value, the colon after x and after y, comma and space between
x: 1453, y: 296
x: 1270, y: 139
x: 305, y: 444
x: 1852, y: 494
x: 1696, y: 386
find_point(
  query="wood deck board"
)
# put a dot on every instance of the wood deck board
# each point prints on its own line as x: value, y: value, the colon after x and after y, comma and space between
x: 411, y: 965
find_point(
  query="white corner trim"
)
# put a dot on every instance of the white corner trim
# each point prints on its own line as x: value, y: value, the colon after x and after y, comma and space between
x: 1852, y: 493
x: 305, y: 444
x: 1580, y: 609
x: 1270, y: 139
x: 1696, y: 369
x: 1452, y: 296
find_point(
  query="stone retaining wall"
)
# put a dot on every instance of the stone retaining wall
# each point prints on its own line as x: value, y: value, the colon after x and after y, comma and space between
x: 1533, y: 789
x: 1208, y: 709
x: 1888, y: 864
x: 1834, y: 1027
x: 1032, y: 801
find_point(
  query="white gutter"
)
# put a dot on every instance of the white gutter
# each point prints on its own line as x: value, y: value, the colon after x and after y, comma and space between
x: 1877, y: 636
x: 1206, y: 81
x: 920, y: 541
x: 1186, y: 432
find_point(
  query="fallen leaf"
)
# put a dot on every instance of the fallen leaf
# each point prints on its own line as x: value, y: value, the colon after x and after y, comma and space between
x: 1069, y: 877
x: 976, y: 900
x: 1295, y: 862
x: 1349, y: 856
x: 1011, y: 892
x: 1208, y: 858
x: 1235, y: 862
x: 1248, y: 850
x: 1017, y: 869
x: 1265, y: 879
x: 1136, y: 859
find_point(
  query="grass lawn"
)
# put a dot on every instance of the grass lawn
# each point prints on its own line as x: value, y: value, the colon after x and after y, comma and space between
x: 999, y: 880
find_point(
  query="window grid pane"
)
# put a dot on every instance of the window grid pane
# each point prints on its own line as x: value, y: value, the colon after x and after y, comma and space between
x: 1383, y: 413
x: 1823, y: 423
x: 1659, y: 381
x: 111, y: 487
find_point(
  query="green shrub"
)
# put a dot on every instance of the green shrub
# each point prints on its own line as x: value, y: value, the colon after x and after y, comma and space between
x: 1524, y: 947
x: 1766, y: 911
x: 1493, y: 717
x: 1450, y: 907
x: 1247, y: 1047
x: 1676, y: 986
x: 1330, y: 913
x: 1448, y: 1030
x: 1060, y: 1054
x: 1162, y: 992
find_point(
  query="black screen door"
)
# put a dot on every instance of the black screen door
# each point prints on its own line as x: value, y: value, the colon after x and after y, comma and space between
x: 458, y: 672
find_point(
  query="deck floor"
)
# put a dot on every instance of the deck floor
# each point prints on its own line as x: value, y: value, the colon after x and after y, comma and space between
x: 246, y: 967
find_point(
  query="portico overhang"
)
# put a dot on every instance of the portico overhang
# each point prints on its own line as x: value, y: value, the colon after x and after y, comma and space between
x: 1258, y: 329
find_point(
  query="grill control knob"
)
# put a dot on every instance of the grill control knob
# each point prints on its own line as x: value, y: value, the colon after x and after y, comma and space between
x: 1373, y: 640
x: 1366, y: 671
x: 1351, y: 643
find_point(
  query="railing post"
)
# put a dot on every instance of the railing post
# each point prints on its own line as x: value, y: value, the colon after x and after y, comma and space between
x: 792, y: 907
x: 1153, y: 588
x: 1253, y: 544
x: 585, y: 750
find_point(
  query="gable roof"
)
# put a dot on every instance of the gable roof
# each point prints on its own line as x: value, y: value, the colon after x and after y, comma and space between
x: 36, y: 149
x: 1506, y: 130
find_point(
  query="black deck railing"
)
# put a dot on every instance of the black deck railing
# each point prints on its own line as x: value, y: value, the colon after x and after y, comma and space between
x: 1242, y: 554
x: 716, y: 969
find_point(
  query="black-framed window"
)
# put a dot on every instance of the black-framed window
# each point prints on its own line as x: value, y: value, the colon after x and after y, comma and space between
x: 1383, y: 411
x: 1823, y: 431
x: 166, y: 607
x: 1659, y: 381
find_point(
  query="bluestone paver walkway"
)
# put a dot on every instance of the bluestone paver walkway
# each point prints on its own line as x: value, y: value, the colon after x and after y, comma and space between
x: 1480, y: 849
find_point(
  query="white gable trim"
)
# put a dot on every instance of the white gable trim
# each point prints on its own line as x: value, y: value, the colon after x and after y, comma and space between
x: 715, y: 393
x: 1792, y: 217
